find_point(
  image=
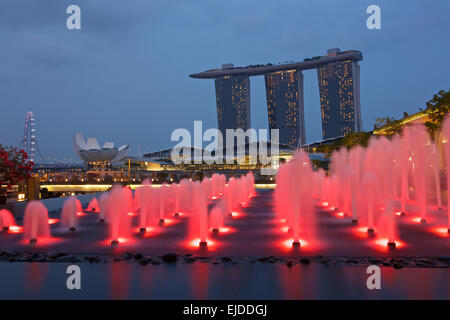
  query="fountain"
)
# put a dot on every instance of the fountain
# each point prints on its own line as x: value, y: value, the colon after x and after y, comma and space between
x: 176, y: 199
x: 147, y: 204
x: 206, y: 183
x: 36, y: 221
x: 93, y: 205
x: 348, y: 192
x: 216, y: 219
x: 293, y: 198
x: 79, y: 207
x: 6, y: 220
x: 421, y: 140
x: 405, y: 169
x: 103, y: 206
x: 434, y: 154
x: 69, y: 213
x: 162, y: 196
x: 369, y: 202
x: 368, y: 182
x: 128, y: 199
x: 215, y: 186
x: 198, y: 222
x: 118, y: 206
x: 446, y: 146
x: 185, y: 191
x: 388, y: 226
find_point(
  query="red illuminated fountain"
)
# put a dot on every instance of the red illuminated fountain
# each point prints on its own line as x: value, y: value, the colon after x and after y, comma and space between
x: 69, y: 213
x: 369, y: 187
x: 388, y: 226
x: 199, y: 215
x: 207, y: 188
x: 163, y: 195
x: 294, y: 200
x: 216, y: 219
x: 419, y: 148
x: 103, y: 206
x: 176, y: 191
x: 369, y: 204
x: 6, y: 220
x: 93, y: 205
x: 147, y: 199
x: 366, y: 184
x: 119, y: 202
x: 36, y: 222
x: 185, y: 191
x: 446, y: 145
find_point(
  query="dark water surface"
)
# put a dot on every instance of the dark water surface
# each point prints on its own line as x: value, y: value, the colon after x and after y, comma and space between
x: 129, y: 280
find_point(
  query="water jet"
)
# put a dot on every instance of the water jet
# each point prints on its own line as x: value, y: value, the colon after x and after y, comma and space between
x: 36, y: 221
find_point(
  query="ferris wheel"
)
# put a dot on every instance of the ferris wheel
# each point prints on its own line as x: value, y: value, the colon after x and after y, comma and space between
x: 29, y: 137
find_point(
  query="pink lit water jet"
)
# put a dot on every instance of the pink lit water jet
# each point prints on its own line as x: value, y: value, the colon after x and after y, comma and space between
x: 148, y: 214
x: 216, y: 219
x: 78, y: 206
x: 36, y: 221
x: 93, y: 205
x: 162, y: 197
x: 434, y: 154
x: 369, y: 203
x: 176, y: 202
x: 69, y: 213
x: 421, y: 141
x: 388, y: 226
x: 446, y: 147
x: 293, y: 198
x: 6, y: 220
x: 118, y: 207
x: 405, y: 166
x: 103, y: 206
x: 198, y: 222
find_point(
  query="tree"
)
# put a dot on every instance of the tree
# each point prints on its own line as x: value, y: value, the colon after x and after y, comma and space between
x: 349, y: 141
x: 389, y: 125
x: 14, y: 167
x: 356, y: 139
x: 437, y: 109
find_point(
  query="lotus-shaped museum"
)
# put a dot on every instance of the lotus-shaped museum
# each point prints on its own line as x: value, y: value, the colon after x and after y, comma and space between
x: 90, y: 151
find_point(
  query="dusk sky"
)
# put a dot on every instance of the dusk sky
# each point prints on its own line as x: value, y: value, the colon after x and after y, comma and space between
x: 124, y: 76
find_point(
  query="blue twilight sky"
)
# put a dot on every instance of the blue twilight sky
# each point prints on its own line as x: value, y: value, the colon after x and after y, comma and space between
x: 124, y: 76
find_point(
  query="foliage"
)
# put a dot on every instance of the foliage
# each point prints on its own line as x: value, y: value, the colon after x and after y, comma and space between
x: 356, y: 138
x: 351, y: 140
x: 14, y: 167
x: 437, y: 109
x: 320, y: 164
x: 390, y: 125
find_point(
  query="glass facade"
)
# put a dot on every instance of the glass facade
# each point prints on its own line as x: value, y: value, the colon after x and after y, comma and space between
x: 339, y: 98
x: 233, y: 103
x: 285, y: 107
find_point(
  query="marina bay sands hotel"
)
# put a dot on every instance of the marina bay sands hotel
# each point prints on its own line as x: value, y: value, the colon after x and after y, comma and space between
x: 338, y: 75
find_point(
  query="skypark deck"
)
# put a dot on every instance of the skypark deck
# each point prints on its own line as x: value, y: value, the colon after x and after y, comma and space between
x: 261, y: 70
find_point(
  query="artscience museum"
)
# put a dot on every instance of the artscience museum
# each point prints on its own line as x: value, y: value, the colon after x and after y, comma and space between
x: 93, y: 155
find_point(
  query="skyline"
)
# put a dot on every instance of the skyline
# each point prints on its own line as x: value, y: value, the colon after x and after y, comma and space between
x: 45, y: 66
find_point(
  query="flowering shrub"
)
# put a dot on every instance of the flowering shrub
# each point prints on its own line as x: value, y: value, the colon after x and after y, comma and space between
x: 14, y: 167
